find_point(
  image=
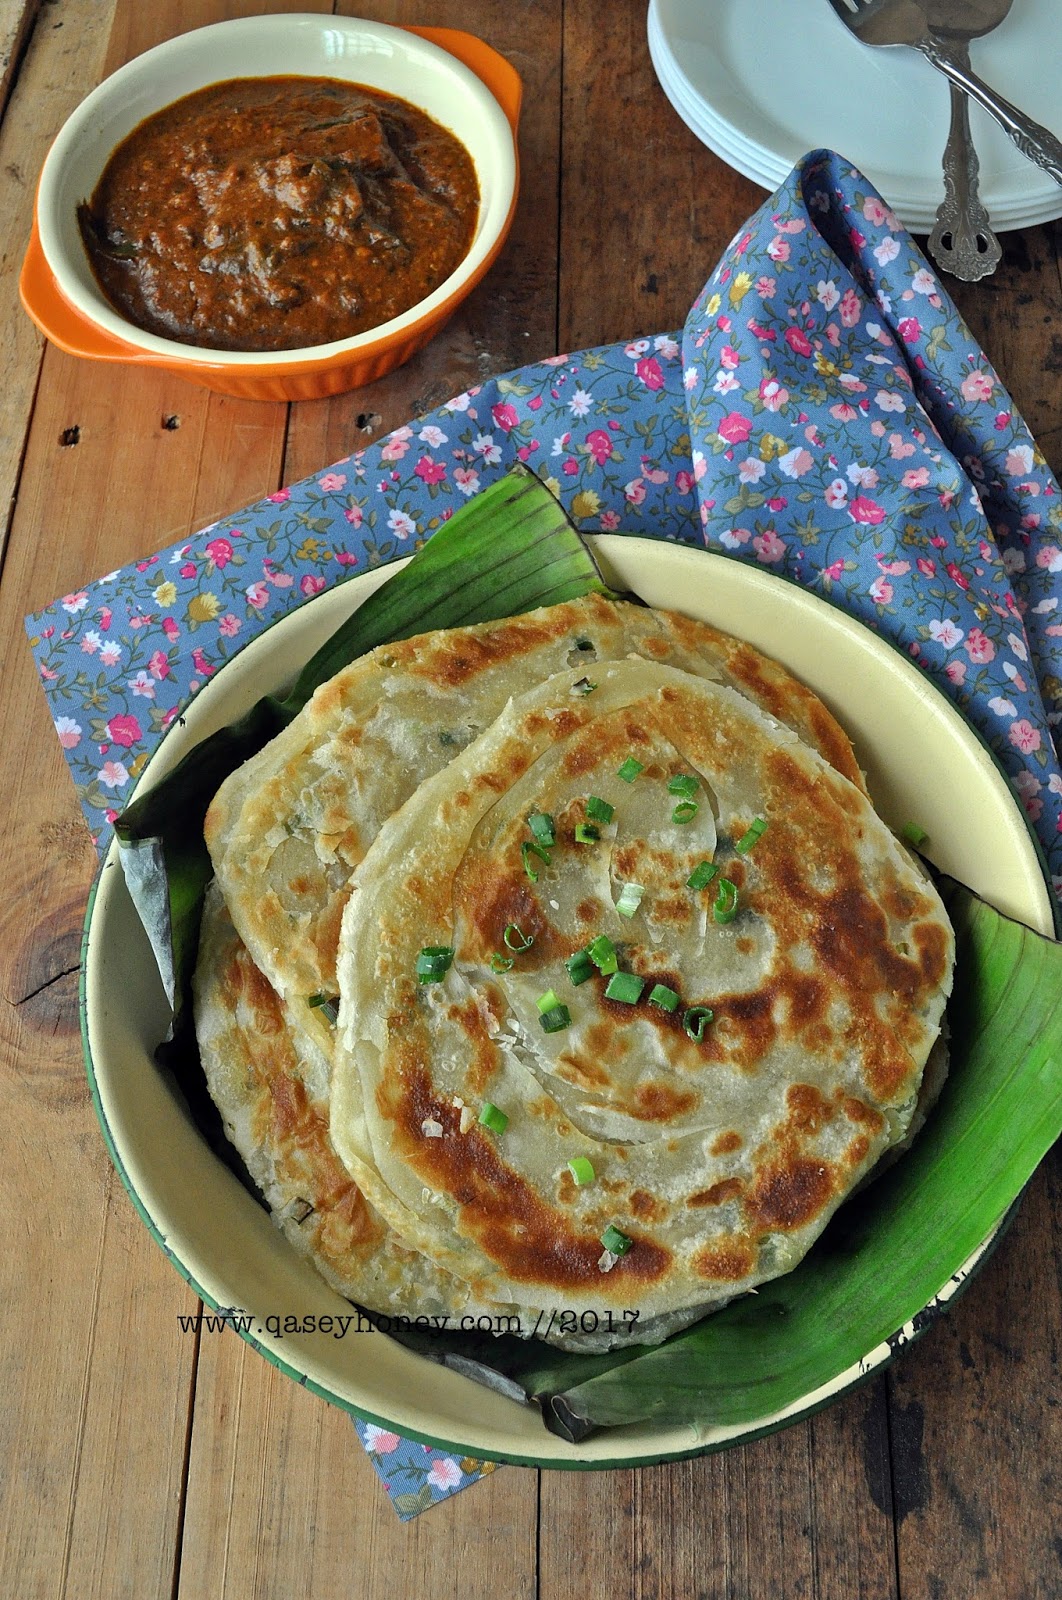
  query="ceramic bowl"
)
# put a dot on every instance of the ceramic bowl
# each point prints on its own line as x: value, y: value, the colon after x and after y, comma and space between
x: 905, y: 734
x: 454, y: 77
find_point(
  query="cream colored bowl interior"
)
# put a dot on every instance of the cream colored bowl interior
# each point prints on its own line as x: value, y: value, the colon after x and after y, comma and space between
x: 922, y: 762
x: 370, y: 53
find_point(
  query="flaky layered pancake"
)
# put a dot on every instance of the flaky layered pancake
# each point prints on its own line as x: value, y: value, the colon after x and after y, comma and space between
x: 634, y: 986
x: 701, y: 1013
x: 288, y: 828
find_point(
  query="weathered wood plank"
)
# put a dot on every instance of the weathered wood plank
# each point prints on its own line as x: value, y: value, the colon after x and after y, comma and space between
x: 282, y: 1500
x: 16, y: 22
x: 94, y: 1506
x: 805, y: 1513
x: 62, y: 63
x: 976, y: 1425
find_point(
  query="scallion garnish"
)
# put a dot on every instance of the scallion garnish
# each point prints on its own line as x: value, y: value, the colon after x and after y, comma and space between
x: 516, y: 939
x: 547, y: 1001
x: 582, y: 1170
x: 541, y: 825
x: 556, y: 1019
x: 529, y: 848
x: 912, y: 834
x: 490, y: 1117
x: 583, y: 686
x: 433, y: 962
x: 586, y: 833
x: 579, y: 967
x: 683, y: 783
x: 630, y: 769
x: 702, y: 875
x: 685, y: 811
x: 747, y: 840
x: 584, y: 644
x: 695, y: 1020
x: 327, y: 1003
x: 630, y: 899
x: 660, y: 995
x: 726, y: 901
x: 615, y: 1242
x: 500, y: 963
x: 602, y: 953
x: 599, y: 810
x: 626, y: 987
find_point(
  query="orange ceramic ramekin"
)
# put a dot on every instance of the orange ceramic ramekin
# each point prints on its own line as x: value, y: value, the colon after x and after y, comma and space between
x: 454, y: 77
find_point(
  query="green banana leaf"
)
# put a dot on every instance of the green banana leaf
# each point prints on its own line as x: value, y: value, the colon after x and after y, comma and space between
x: 884, y: 1257
x: 510, y: 549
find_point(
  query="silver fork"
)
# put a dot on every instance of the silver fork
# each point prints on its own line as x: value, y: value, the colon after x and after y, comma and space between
x: 890, y: 22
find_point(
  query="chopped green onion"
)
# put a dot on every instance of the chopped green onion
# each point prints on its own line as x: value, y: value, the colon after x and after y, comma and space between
x: 586, y: 833
x: 702, y: 875
x: 685, y: 811
x: 500, y: 963
x: 660, y: 995
x: 433, y: 962
x: 529, y: 848
x: 696, y: 1020
x: 583, y: 686
x: 747, y: 840
x: 630, y: 899
x: 541, y: 825
x: 584, y: 644
x: 726, y: 901
x: 683, y: 783
x: 599, y: 810
x: 579, y: 967
x: 327, y: 1003
x: 548, y: 1001
x: 516, y: 939
x: 912, y: 834
x: 615, y: 1242
x: 602, y: 953
x: 490, y: 1117
x: 630, y: 769
x: 582, y: 1170
x: 556, y: 1019
x: 625, y: 986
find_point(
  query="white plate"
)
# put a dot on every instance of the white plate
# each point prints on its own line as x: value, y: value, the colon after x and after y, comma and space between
x: 763, y: 82
x: 906, y: 735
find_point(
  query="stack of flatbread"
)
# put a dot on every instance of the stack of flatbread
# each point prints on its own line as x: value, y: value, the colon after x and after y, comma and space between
x: 560, y: 968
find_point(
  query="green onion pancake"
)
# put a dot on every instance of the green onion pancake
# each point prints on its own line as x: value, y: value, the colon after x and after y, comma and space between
x: 679, y: 978
x: 288, y: 828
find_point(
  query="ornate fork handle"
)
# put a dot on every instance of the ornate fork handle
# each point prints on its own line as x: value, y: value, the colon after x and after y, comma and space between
x: 962, y: 241
x: 1032, y: 139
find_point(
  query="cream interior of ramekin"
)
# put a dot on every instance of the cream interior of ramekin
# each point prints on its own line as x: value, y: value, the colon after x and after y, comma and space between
x: 370, y: 53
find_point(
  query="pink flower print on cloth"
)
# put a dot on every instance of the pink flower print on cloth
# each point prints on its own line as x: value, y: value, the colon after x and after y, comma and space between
x: 923, y: 505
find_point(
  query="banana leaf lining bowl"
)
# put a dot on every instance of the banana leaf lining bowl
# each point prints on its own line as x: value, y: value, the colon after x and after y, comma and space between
x: 923, y: 763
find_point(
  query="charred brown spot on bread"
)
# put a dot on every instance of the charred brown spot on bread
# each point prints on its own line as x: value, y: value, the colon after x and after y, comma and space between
x: 726, y: 1143
x: 725, y: 1263
x: 725, y: 1189
x: 790, y: 1194
x: 528, y: 1239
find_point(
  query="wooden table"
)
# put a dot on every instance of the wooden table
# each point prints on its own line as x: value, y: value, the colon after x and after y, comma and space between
x: 138, y: 1461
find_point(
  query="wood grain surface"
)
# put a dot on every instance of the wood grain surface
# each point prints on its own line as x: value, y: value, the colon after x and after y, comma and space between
x: 139, y: 1461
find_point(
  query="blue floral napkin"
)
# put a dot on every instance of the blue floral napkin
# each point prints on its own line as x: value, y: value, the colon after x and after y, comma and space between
x: 825, y: 413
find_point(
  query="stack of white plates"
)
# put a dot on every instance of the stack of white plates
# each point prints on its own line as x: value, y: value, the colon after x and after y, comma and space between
x: 764, y: 81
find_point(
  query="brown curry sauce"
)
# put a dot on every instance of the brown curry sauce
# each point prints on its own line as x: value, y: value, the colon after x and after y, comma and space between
x: 277, y: 213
